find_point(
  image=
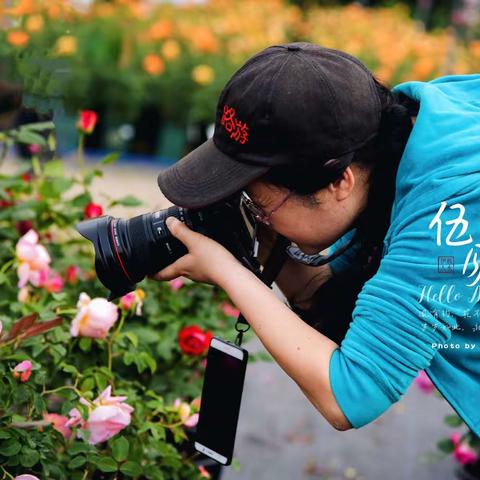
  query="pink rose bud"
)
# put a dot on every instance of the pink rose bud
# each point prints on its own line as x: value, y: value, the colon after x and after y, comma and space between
x: 93, y: 210
x: 204, y: 472
x: 87, y: 121
x: 71, y: 274
x: 423, y: 382
x: 26, y: 477
x: 54, y: 282
x: 127, y: 301
x: 94, y: 317
x: 229, y: 310
x: 59, y: 423
x: 23, y: 370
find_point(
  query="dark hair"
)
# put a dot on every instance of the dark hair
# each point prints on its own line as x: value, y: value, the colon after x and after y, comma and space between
x: 382, y: 154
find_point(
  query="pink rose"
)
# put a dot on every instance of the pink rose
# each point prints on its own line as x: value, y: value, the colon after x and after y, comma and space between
x: 23, y: 370
x: 185, y: 413
x: 26, y: 477
x: 423, y: 382
x: 94, y: 317
x: 75, y: 419
x: 59, y: 423
x: 462, y: 452
x: 177, y: 283
x: 33, y: 260
x: 109, y: 416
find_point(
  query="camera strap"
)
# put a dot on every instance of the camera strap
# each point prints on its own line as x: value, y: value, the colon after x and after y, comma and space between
x: 271, y: 269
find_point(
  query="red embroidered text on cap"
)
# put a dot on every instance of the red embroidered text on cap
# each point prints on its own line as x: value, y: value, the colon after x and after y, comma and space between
x: 237, y: 129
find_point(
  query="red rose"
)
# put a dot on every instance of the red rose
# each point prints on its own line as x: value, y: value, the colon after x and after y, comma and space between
x: 193, y: 340
x: 93, y: 210
x: 87, y: 121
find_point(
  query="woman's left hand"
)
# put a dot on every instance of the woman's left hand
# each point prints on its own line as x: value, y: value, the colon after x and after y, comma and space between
x: 206, y: 261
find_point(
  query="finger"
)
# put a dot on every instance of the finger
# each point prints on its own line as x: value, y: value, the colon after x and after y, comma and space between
x: 179, y: 230
x: 171, y: 271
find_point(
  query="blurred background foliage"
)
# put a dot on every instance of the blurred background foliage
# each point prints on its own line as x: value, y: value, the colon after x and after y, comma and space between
x: 154, y: 70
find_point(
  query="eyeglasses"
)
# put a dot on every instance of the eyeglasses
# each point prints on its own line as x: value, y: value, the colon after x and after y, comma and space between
x: 256, y: 211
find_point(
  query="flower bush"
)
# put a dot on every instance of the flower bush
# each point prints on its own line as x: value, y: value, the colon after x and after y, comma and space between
x: 91, y: 388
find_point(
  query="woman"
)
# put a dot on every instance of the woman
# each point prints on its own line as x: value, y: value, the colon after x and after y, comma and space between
x: 323, y: 151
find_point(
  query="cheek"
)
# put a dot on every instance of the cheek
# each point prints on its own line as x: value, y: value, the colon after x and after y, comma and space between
x: 303, y: 228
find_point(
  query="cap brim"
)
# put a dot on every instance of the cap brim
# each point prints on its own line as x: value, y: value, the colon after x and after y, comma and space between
x: 205, y: 176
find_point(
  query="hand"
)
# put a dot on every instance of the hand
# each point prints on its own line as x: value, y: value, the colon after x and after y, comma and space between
x: 206, y: 261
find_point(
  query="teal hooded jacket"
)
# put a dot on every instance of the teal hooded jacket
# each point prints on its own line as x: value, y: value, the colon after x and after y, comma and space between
x: 421, y: 309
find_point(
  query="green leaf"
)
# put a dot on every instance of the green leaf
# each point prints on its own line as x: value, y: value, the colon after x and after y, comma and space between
x: 32, y: 138
x: 10, y: 448
x: 29, y: 457
x: 70, y: 369
x: 85, y: 344
x: 132, y: 469
x: 107, y: 464
x: 110, y: 158
x: 453, y: 420
x: 132, y: 337
x: 120, y: 449
x: 76, y: 462
x: 128, y: 201
x: 39, y: 126
x: 54, y: 168
x: 445, y: 445
x: 5, y: 434
x: 78, y: 447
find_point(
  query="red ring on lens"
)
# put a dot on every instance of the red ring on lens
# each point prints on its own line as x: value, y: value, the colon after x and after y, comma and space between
x: 118, y: 254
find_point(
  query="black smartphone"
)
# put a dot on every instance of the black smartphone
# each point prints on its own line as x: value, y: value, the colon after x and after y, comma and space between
x: 221, y: 399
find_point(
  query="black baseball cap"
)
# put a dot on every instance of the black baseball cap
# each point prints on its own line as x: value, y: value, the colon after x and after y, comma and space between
x: 291, y: 104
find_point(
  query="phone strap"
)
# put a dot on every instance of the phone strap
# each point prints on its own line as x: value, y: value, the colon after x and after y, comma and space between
x: 271, y: 269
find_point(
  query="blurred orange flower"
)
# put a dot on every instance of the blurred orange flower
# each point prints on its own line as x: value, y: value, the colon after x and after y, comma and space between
x: 153, y: 64
x: 203, y: 74
x: 160, y: 30
x: 171, y: 49
x: 34, y: 24
x: 23, y: 7
x: 66, y: 45
x: 18, y: 38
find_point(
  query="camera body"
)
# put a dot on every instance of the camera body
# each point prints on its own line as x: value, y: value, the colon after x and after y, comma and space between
x: 127, y: 250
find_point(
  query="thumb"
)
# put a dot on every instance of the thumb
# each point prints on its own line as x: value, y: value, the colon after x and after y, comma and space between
x: 179, y: 230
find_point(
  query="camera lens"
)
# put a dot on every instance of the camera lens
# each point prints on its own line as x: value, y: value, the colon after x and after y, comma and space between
x: 128, y: 250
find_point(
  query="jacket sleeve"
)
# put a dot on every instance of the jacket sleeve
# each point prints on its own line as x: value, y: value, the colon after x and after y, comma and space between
x: 395, y: 327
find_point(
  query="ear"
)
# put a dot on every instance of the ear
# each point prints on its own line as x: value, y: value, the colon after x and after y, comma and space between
x: 343, y: 186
